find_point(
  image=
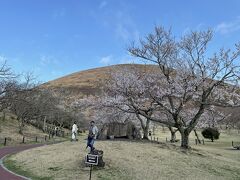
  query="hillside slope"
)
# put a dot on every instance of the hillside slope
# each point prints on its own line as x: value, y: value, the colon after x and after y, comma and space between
x: 9, y: 129
x: 88, y: 82
x: 91, y: 82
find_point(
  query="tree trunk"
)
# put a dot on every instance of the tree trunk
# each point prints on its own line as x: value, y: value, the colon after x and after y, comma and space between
x: 173, y: 134
x: 184, y: 139
x: 196, y: 134
x: 154, y: 129
x: 163, y: 129
x: 20, y: 127
x: 44, y: 124
x: 212, y: 138
x: 146, y: 130
x: 145, y: 127
x: 20, y: 123
x: 4, y: 116
x: 145, y: 133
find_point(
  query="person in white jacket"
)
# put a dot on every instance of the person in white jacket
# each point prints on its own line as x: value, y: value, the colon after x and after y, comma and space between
x: 74, y: 131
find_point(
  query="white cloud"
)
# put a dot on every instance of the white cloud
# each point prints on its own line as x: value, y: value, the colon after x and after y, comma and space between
x: 102, y: 4
x: 198, y: 27
x: 119, y: 21
x: 118, y: 59
x: 126, y: 32
x: 55, y: 73
x: 122, y: 32
x: 228, y: 27
x: 59, y: 13
x: 12, y: 61
x: 3, y: 59
x: 127, y: 59
x: 125, y: 28
x: 106, y: 60
x: 47, y: 60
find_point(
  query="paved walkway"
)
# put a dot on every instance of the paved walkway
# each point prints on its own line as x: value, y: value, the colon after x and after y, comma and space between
x: 4, y: 173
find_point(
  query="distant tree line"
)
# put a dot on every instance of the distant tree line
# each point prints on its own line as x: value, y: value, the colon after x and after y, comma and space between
x: 22, y: 96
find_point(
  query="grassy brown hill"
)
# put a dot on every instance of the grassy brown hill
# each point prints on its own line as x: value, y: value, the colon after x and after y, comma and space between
x: 88, y: 82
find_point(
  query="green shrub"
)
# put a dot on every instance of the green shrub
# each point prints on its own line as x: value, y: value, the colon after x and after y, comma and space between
x: 211, y: 133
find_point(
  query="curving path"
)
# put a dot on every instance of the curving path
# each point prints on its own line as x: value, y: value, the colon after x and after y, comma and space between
x: 6, y: 174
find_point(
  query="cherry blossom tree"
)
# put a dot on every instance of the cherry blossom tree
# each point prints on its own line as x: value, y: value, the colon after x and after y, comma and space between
x: 113, y: 104
x: 188, y: 77
x: 233, y: 118
x: 128, y: 91
x: 126, y: 83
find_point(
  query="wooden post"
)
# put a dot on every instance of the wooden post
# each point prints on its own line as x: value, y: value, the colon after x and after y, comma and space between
x: 154, y: 138
x: 90, y: 177
x: 4, y: 116
x: 36, y: 138
x: 157, y: 139
x: 166, y: 139
x: 23, y: 140
x: 232, y: 144
x: 5, y: 141
x: 45, y: 138
x: 196, y: 141
x: 44, y: 124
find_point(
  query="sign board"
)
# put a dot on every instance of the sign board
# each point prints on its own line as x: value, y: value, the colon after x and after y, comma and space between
x: 91, y: 159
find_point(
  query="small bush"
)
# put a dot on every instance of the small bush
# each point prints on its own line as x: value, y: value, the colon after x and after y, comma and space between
x: 211, y: 133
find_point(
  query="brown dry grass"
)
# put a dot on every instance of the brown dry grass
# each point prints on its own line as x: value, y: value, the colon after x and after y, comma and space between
x: 91, y: 77
x: 88, y: 82
x: 9, y: 129
x: 135, y: 160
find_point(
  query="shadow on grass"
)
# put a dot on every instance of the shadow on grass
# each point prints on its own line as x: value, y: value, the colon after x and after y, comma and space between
x: 232, y: 149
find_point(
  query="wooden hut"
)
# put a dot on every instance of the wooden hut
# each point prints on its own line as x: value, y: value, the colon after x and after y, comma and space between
x: 119, y: 130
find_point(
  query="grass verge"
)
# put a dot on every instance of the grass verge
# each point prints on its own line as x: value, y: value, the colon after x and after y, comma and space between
x: 136, y: 160
x: 18, y: 169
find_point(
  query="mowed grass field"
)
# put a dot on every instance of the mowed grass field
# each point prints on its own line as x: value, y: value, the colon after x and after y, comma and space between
x: 133, y: 160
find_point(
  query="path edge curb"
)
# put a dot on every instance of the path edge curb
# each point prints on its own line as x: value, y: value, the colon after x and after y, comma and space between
x: 6, y: 169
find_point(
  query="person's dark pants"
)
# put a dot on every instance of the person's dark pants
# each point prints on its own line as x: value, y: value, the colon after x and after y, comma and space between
x: 90, y: 142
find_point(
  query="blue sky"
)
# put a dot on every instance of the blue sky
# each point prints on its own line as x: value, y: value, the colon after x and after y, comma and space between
x: 53, y: 38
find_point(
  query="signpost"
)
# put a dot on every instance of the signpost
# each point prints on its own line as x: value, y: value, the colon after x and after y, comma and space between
x: 91, y: 160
